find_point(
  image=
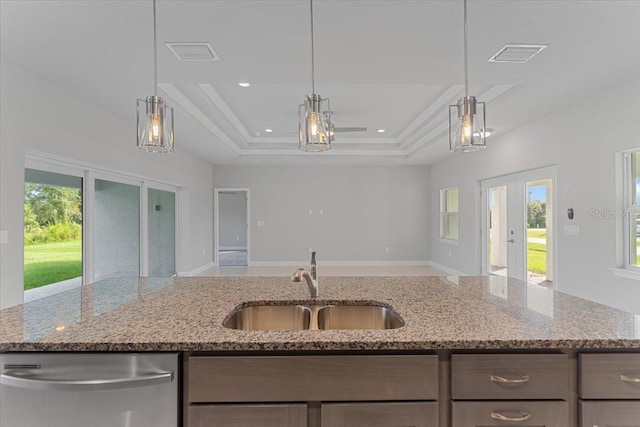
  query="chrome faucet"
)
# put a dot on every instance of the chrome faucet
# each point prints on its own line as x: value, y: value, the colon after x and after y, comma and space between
x: 311, y: 278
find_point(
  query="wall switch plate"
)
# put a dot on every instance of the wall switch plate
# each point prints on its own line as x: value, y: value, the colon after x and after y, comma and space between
x: 260, y: 223
x: 310, y: 211
x: 4, y: 237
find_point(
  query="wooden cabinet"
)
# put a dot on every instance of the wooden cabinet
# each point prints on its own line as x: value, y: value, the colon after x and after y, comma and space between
x: 609, y: 388
x: 510, y: 389
x: 345, y: 390
x: 274, y: 415
x: 386, y: 414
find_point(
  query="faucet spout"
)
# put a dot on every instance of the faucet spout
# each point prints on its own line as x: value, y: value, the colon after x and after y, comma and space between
x: 312, y: 283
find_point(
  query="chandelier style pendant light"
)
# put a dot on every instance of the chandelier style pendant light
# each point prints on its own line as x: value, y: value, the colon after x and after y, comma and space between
x: 467, y: 118
x: 154, y: 116
x: 313, y: 115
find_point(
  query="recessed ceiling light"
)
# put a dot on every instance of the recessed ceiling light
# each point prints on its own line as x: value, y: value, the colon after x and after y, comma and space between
x: 267, y: 130
x: 244, y: 84
x: 382, y: 130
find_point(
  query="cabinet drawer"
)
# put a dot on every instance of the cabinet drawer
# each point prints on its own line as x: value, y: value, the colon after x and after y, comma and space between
x: 387, y: 414
x: 312, y: 378
x: 248, y: 415
x: 610, y: 413
x: 521, y: 413
x: 509, y: 376
x: 610, y: 376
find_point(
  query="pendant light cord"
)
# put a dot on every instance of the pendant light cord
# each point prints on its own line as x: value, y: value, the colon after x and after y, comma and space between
x: 313, y: 81
x: 466, y: 65
x: 155, y: 52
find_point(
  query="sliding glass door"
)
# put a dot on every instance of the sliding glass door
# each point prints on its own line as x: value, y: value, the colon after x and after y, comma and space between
x: 161, y: 214
x: 116, y: 229
x: 82, y: 226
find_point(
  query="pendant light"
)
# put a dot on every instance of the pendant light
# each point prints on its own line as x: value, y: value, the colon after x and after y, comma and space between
x: 313, y: 122
x: 466, y: 128
x: 154, y: 116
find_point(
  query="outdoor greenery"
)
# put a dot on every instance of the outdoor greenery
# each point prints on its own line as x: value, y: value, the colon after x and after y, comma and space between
x: 52, y: 234
x: 537, y: 257
x: 51, y: 262
x: 536, y: 214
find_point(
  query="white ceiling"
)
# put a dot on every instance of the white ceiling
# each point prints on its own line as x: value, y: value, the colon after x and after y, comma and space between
x: 392, y: 64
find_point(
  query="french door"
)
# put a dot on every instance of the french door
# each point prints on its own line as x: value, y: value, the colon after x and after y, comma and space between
x: 518, y: 226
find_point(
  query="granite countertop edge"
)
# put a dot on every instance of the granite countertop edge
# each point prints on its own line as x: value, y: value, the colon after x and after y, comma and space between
x: 441, y: 313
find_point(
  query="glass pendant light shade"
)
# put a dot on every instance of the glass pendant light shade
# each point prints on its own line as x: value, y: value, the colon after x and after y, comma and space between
x: 313, y: 124
x: 466, y: 125
x: 155, y: 125
x: 154, y: 118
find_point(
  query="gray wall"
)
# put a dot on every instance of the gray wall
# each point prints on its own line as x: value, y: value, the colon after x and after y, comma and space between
x: 66, y: 126
x: 365, y: 209
x: 582, y: 142
x: 233, y: 220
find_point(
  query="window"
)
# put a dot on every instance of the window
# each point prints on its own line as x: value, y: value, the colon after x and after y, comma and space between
x: 449, y: 213
x: 632, y: 209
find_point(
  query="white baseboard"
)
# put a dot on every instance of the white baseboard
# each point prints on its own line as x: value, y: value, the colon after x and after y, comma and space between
x: 232, y: 248
x: 446, y: 269
x: 337, y: 263
x: 197, y: 270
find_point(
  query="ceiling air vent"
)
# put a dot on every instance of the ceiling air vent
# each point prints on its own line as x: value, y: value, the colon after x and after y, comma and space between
x: 193, y: 51
x: 517, y: 53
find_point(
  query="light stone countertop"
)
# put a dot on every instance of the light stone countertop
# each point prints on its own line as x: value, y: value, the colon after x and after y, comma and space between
x: 186, y: 314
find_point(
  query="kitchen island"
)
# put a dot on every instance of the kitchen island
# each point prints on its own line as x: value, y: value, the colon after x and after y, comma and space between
x: 186, y: 314
x: 472, y: 350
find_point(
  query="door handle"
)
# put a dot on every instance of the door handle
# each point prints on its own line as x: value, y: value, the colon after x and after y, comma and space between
x: 35, y: 383
x: 511, y: 241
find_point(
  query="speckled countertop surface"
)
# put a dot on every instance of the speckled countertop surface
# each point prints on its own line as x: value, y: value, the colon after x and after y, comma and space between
x: 440, y: 313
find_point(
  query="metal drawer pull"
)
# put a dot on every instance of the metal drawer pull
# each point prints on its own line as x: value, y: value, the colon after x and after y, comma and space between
x: 629, y: 379
x: 499, y: 379
x: 524, y: 416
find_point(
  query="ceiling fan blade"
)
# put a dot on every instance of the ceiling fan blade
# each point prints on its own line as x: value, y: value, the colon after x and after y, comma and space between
x: 350, y: 129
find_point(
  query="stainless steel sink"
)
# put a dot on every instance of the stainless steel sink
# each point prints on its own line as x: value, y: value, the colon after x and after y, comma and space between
x: 288, y: 317
x: 358, y: 317
x: 270, y: 318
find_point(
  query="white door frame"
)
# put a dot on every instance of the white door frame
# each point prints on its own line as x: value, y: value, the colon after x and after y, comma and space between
x: 518, y: 178
x: 216, y: 221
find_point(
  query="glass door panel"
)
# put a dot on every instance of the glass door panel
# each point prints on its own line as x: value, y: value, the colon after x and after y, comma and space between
x: 52, y: 232
x: 117, y: 229
x: 162, y: 232
x: 498, y: 230
x: 539, y: 231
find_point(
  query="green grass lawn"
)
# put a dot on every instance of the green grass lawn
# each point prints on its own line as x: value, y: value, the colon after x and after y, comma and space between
x: 51, y: 262
x: 537, y: 232
x: 537, y: 258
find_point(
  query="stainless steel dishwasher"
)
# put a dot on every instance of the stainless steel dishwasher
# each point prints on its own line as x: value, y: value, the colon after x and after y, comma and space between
x: 89, y: 389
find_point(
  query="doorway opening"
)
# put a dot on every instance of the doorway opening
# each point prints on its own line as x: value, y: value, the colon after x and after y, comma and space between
x: 232, y: 227
x: 52, y: 231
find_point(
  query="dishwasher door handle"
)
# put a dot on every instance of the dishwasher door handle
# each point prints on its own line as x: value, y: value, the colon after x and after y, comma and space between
x: 33, y: 382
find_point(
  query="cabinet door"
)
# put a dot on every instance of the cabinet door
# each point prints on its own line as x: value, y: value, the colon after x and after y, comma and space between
x: 248, y: 415
x: 511, y: 413
x: 406, y: 414
x: 610, y: 413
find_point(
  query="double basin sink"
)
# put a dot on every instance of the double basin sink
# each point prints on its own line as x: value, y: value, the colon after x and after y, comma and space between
x: 287, y: 317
